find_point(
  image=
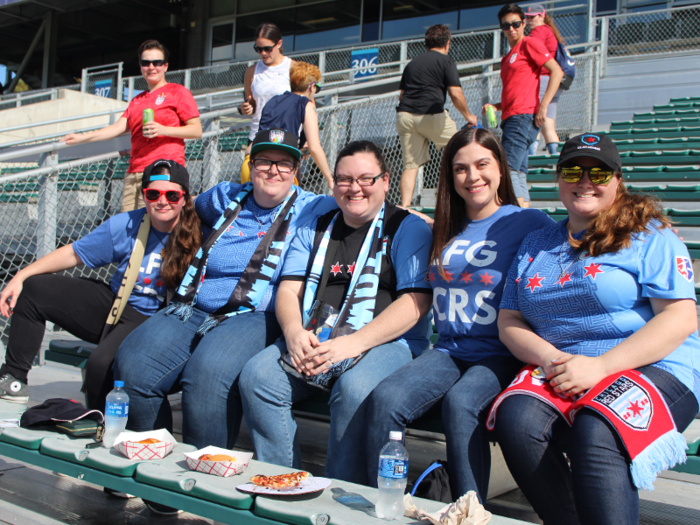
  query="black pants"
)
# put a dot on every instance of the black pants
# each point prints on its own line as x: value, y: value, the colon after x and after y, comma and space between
x: 79, y: 306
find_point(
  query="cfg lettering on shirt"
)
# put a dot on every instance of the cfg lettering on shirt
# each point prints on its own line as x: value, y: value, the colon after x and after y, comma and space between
x: 470, y: 255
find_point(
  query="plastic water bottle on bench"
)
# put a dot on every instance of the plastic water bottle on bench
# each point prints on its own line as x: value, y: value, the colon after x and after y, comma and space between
x: 392, y: 478
x: 116, y: 414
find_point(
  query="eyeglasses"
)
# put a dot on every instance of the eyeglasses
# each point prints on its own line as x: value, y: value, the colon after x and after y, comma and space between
x: 172, y: 196
x: 283, y: 166
x: 267, y: 49
x: 346, y: 182
x: 156, y: 63
x: 506, y: 26
x: 598, y: 176
x: 317, y: 86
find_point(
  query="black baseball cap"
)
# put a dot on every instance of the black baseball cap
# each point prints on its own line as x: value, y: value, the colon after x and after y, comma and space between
x: 55, y: 410
x: 178, y: 174
x: 591, y: 145
x: 276, y: 139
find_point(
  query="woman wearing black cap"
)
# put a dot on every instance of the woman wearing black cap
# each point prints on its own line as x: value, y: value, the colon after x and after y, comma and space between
x: 81, y: 306
x: 602, y: 305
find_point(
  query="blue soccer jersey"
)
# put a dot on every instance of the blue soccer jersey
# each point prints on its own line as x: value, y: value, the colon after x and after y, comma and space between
x: 234, y: 249
x: 112, y: 242
x: 587, y: 305
x: 476, y: 262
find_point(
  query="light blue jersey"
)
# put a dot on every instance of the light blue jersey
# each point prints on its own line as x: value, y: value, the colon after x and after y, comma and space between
x: 587, y: 305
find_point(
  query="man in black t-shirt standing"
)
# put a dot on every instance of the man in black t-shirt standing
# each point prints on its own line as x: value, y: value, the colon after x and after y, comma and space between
x: 421, y: 116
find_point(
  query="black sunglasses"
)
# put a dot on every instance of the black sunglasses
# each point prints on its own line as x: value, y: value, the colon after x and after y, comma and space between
x: 156, y: 63
x: 267, y: 49
x: 318, y: 88
x: 506, y: 26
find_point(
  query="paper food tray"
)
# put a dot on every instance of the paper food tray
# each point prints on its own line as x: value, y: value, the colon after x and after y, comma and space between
x: 126, y: 444
x: 219, y: 468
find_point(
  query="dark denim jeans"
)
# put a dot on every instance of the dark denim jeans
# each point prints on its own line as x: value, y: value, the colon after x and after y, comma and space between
x: 519, y: 131
x: 597, y: 489
x: 466, y: 391
x: 165, y: 355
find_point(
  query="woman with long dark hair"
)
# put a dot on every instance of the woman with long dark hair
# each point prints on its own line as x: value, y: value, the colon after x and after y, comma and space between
x: 175, y: 118
x: 543, y: 28
x: 602, y: 306
x: 264, y: 80
x: 477, y: 231
x: 36, y: 294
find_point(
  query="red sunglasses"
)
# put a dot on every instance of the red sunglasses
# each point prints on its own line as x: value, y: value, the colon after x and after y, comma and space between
x: 172, y: 196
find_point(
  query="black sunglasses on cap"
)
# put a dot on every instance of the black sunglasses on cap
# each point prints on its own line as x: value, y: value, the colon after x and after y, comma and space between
x: 267, y: 49
x: 507, y: 25
x: 156, y: 63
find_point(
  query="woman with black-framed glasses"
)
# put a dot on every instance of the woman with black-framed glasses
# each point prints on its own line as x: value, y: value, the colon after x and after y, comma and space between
x: 81, y: 306
x: 175, y: 118
x: 264, y: 80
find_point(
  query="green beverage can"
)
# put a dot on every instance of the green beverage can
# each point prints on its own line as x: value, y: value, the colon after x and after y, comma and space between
x: 490, y: 117
x: 148, y: 116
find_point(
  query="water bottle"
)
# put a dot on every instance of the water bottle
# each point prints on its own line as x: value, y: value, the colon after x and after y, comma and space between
x: 391, y: 478
x: 116, y: 414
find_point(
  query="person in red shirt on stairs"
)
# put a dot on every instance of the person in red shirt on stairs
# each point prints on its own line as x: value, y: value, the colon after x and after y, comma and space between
x: 522, y: 112
x: 176, y: 118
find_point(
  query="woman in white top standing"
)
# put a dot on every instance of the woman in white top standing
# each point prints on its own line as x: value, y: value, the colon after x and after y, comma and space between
x: 264, y: 80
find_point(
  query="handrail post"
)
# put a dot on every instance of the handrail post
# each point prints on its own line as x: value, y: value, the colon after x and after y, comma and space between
x: 188, y: 78
x: 131, y: 89
x: 322, y: 62
x: 47, y: 209
x: 83, y: 81
x: 604, y: 36
x: 403, y: 56
x: 496, y: 45
x: 120, y: 90
x: 212, y: 161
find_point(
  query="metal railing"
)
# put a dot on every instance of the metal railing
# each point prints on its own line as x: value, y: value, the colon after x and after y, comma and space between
x: 24, y: 98
x: 47, y: 203
x: 652, y: 32
x: 336, y: 64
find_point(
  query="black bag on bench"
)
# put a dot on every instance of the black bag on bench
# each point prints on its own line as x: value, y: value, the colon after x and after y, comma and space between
x: 434, y: 483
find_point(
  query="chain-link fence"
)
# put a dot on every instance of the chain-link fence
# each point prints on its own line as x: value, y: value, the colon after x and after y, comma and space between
x: 664, y: 31
x: 25, y: 98
x: 39, y: 212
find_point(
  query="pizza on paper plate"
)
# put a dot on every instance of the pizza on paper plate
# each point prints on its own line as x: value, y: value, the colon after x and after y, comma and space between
x: 282, y: 481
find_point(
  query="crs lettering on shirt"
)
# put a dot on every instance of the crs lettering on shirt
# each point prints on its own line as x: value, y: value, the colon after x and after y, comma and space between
x: 469, y: 282
x: 149, y: 281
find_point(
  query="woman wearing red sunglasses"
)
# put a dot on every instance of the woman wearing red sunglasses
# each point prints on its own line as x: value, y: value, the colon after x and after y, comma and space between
x: 37, y: 294
x: 175, y: 118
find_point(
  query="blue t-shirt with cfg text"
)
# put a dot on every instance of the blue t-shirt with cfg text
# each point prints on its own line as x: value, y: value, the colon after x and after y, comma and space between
x: 587, y: 305
x: 234, y: 249
x: 476, y: 262
x: 112, y: 242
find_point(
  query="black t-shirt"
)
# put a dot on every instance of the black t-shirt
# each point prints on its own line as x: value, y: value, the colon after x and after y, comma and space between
x: 425, y: 81
x: 345, y: 259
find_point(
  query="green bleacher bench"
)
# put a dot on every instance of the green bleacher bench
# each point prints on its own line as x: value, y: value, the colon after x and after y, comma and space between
x: 166, y: 481
x: 631, y: 174
x: 72, y: 352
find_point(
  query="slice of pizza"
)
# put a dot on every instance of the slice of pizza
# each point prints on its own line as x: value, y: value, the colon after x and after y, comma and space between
x: 281, y: 481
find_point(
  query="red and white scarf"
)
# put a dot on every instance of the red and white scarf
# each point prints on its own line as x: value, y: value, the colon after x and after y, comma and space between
x: 631, y: 404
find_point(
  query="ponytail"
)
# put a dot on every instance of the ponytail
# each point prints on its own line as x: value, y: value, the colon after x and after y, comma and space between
x: 548, y: 20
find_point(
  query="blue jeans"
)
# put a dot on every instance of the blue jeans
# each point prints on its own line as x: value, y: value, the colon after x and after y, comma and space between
x: 466, y: 391
x: 165, y: 355
x: 597, y: 488
x: 519, y: 131
x: 268, y: 393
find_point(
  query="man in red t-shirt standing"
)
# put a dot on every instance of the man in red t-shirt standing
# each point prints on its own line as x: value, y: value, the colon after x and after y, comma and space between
x: 522, y: 113
x: 176, y: 118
